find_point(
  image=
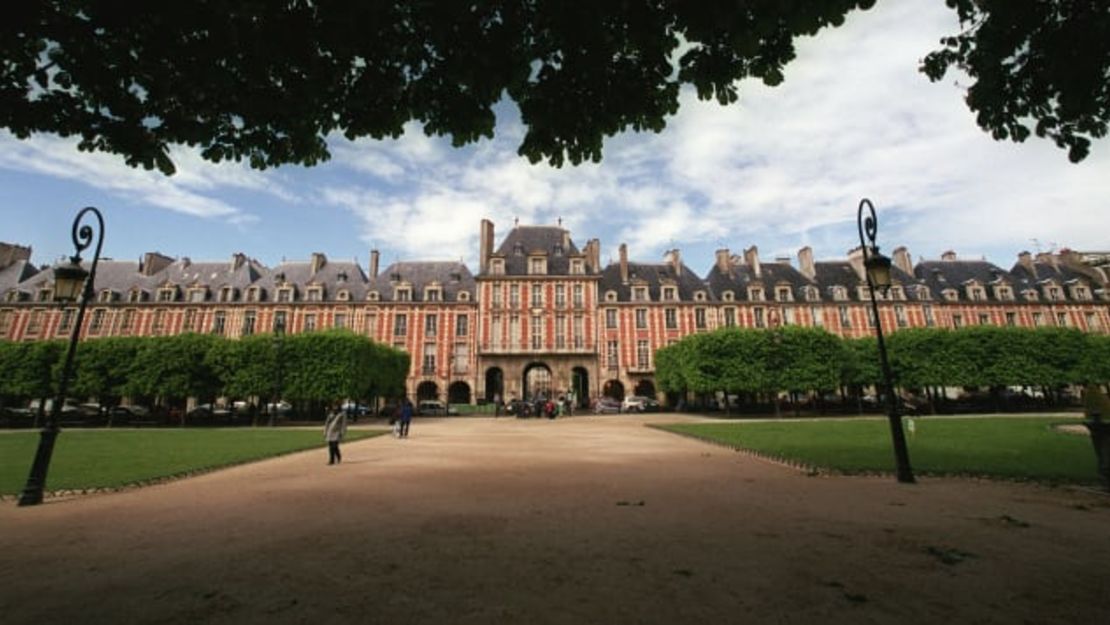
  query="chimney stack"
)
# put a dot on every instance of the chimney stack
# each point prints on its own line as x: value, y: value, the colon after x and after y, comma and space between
x: 624, y: 263
x: 805, y: 263
x: 153, y: 262
x: 375, y: 257
x: 855, y: 259
x: 485, y: 245
x: 593, y: 256
x: 11, y: 254
x: 675, y: 258
x: 724, y: 262
x: 318, y: 261
x: 902, y: 260
x: 751, y: 257
x: 948, y: 256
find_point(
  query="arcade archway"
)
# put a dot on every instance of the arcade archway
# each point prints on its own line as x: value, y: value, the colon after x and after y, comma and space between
x: 580, y: 385
x: 645, y: 388
x: 427, y: 390
x: 613, y: 389
x: 537, y: 381
x: 495, y: 384
x: 458, y: 393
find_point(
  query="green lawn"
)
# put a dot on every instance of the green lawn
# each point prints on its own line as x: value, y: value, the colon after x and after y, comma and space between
x: 109, y: 458
x: 1020, y: 447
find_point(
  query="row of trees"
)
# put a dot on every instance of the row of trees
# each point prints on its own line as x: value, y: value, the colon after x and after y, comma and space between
x: 312, y: 368
x: 754, y: 363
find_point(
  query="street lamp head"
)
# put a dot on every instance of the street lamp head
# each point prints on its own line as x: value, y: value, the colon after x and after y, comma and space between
x: 69, y: 280
x: 878, y: 269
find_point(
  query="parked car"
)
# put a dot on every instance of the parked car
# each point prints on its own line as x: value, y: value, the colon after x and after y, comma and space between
x: 606, y: 405
x: 279, y: 407
x: 434, y: 407
x: 132, y: 412
x: 354, y: 408
x: 208, y: 411
x: 639, y: 403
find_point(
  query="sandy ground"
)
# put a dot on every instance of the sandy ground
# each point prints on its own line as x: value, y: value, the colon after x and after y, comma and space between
x: 582, y: 520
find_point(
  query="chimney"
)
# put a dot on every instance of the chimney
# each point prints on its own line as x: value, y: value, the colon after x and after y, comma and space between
x: 237, y: 260
x: 902, y: 260
x: 374, y: 258
x: 11, y: 254
x: 318, y: 261
x: 751, y: 257
x: 593, y: 255
x: 485, y: 245
x: 624, y: 263
x: 1048, y: 258
x: 855, y: 259
x: 153, y: 262
x: 948, y: 256
x: 724, y: 262
x: 805, y: 263
x: 675, y: 258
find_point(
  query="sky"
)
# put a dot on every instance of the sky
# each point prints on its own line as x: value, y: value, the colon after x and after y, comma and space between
x: 783, y: 168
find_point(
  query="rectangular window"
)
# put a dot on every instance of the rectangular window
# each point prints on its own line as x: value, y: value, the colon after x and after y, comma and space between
x: 1038, y: 319
x: 404, y: 295
x: 1062, y: 320
x: 560, y: 331
x: 1092, y: 321
x: 64, y: 325
x: 643, y: 355
x: 670, y: 318
x: 639, y: 294
x: 730, y: 317
x: 515, y: 338
x: 97, y: 321
x: 984, y: 319
x: 248, y: 323
x: 462, y: 325
x: 218, y: 321
x: 285, y: 295
x: 611, y: 355
x: 815, y: 315
x: 428, y: 364
x: 514, y: 295
x: 900, y: 316
x: 788, y: 318
x: 1011, y: 319
x: 610, y: 317
x: 495, y: 299
x: 560, y: 296
x: 871, y: 316
x: 156, y: 321
x: 165, y: 295
x: 845, y: 318
x: 279, y: 321
x: 310, y: 322
x: 641, y: 318
x: 537, y: 332
x: 537, y: 295
x: 927, y: 312
x: 577, y: 296
x: 340, y: 320
x: 462, y: 358
x: 699, y: 318
x: 957, y: 321
x: 431, y: 325
x: 6, y: 321
x: 755, y: 295
x: 35, y: 324
x: 495, y: 332
x: 782, y: 294
x: 196, y: 295
x: 576, y: 267
x: 535, y: 266
x: 669, y: 294
x: 757, y: 313
x: 370, y: 325
x: 400, y: 325
x: 433, y: 295
x: 579, y: 333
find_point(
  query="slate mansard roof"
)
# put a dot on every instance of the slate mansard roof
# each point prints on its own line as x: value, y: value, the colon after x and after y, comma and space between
x: 551, y: 241
x: 654, y: 276
x: 452, y: 277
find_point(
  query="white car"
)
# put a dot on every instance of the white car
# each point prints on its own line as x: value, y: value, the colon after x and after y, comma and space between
x: 638, y: 403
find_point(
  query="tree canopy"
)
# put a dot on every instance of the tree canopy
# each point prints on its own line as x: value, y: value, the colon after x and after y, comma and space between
x: 268, y: 82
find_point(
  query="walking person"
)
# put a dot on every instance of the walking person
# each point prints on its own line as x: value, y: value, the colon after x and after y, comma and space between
x: 335, y: 428
x: 406, y: 418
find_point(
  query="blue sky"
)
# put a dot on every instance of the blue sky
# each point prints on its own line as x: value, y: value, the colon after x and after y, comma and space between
x: 783, y: 168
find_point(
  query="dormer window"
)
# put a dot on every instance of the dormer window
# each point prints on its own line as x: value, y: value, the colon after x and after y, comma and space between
x: 610, y: 296
x: 463, y: 296
x: 1030, y: 295
x: 373, y: 296
x: 402, y: 294
x: 135, y: 296
x: 198, y: 295
x: 314, y: 294
x: 896, y: 293
x: 167, y: 294
x: 497, y: 267
x: 343, y: 295
x: 518, y: 249
x: 1081, y: 292
x: 976, y: 293
x: 1054, y: 293
x: 670, y: 294
x: 285, y: 294
x: 537, y: 266
x: 950, y: 295
x: 755, y: 294
x: 45, y: 295
x: 728, y: 296
x: 557, y: 249
x: 811, y: 294
x: 107, y: 296
x: 1004, y: 293
x: 577, y: 267
x: 228, y: 294
x: 433, y: 294
x: 699, y: 296
x: 341, y: 276
x: 783, y: 294
x: 252, y: 294
x: 639, y: 294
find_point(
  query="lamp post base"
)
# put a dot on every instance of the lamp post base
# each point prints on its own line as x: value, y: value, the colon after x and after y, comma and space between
x: 36, y: 481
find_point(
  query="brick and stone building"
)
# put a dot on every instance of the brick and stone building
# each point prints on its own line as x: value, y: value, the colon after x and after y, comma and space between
x: 542, y: 316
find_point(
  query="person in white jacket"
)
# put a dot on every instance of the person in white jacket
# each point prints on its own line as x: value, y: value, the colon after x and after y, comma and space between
x: 335, y: 427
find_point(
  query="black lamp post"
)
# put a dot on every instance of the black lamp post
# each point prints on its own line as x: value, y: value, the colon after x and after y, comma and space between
x: 877, y: 271
x: 71, y: 282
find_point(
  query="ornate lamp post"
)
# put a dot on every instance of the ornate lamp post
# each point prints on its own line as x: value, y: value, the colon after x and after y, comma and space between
x: 877, y: 271
x: 71, y: 282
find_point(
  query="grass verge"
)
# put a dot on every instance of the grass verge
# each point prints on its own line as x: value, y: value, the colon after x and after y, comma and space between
x: 1023, y: 448
x: 95, y: 459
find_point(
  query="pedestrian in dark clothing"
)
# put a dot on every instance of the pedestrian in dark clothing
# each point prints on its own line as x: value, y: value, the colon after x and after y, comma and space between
x: 335, y: 427
x: 406, y: 419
